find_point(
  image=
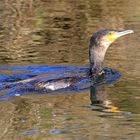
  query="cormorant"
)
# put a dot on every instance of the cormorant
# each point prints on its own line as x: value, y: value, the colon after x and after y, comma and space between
x: 99, y: 43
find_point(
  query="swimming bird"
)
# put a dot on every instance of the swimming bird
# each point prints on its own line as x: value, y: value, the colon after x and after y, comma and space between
x: 99, y: 43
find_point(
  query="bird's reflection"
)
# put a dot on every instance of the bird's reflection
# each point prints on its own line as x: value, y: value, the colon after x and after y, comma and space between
x: 100, y: 99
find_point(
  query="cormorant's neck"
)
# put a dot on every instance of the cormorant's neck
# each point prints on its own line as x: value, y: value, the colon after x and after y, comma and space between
x: 96, y: 57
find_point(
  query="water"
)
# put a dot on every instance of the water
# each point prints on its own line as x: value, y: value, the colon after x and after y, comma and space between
x: 57, y: 32
x: 44, y: 79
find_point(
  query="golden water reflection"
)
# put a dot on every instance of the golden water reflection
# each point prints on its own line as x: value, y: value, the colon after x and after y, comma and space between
x: 58, y: 32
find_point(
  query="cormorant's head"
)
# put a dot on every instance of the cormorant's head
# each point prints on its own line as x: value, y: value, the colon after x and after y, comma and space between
x: 99, y: 43
x: 104, y: 38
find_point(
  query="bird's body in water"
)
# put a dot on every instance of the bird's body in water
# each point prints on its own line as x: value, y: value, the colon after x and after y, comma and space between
x: 99, y: 43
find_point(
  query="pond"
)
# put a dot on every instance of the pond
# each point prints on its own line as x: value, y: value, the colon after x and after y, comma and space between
x: 51, y: 36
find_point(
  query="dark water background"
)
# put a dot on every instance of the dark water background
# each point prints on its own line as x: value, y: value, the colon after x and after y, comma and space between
x: 57, y: 32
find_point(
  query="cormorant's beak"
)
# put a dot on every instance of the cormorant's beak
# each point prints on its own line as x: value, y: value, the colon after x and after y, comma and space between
x: 116, y: 34
x: 122, y: 33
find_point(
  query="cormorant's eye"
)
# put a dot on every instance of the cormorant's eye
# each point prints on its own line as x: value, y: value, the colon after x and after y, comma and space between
x: 110, y: 33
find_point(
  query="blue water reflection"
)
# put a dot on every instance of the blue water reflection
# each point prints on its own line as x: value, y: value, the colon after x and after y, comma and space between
x: 23, y: 80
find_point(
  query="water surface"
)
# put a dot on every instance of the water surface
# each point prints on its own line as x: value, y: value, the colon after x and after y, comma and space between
x: 45, y: 32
